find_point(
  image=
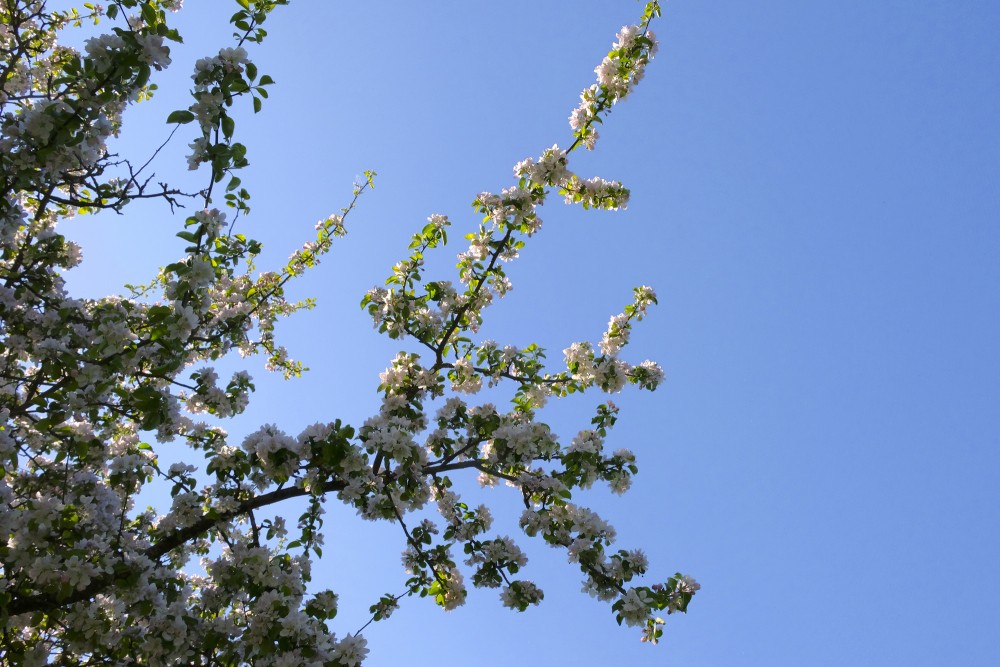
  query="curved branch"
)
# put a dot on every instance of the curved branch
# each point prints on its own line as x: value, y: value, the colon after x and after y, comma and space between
x: 46, y: 603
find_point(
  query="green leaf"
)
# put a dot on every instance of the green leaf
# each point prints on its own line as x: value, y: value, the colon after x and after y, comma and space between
x: 149, y: 14
x: 181, y: 116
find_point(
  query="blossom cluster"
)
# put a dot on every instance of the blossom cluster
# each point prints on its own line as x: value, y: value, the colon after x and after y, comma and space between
x: 617, y: 75
x: 506, y: 446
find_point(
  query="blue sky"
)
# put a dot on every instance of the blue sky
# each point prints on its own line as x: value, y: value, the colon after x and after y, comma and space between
x: 815, y: 199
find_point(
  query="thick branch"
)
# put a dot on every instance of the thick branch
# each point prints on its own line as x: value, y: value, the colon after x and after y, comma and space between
x: 174, y: 540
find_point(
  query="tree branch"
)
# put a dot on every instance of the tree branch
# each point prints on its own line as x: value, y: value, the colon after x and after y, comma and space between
x: 174, y: 540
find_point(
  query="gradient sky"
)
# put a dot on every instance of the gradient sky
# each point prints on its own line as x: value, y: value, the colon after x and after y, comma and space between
x: 815, y: 199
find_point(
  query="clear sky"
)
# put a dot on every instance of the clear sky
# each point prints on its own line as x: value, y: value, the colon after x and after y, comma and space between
x: 815, y: 199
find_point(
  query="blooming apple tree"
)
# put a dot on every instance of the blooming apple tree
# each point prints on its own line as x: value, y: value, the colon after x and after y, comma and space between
x: 219, y: 576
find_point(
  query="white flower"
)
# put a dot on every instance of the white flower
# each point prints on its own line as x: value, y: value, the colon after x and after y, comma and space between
x: 587, y: 441
x: 351, y: 650
x: 465, y: 380
x: 635, y: 607
x: 688, y: 584
x: 200, y: 272
x: 212, y: 220
x: 315, y: 432
x: 153, y: 51
x: 520, y: 594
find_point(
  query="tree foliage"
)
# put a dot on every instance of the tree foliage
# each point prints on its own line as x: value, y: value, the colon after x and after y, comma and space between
x: 89, y: 388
